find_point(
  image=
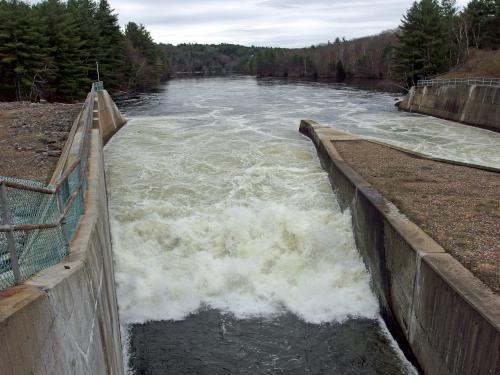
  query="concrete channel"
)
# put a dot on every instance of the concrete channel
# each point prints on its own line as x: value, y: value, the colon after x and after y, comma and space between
x: 64, y: 319
x: 446, y: 318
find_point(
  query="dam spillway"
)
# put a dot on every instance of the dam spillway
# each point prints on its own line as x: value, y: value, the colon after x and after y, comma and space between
x: 226, y: 231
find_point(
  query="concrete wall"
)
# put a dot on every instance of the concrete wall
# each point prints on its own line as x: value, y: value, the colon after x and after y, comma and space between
x: 107, y: 117
x: 443, y: 316
x: 474, y: 105
x: 64, y: 320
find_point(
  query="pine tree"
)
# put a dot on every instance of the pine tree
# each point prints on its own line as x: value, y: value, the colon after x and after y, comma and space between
x: 110, y: 47
x: 421, y: 50
x: 449, y: 17
x: 49, y: 49
x: 147, y: 61
x: 66, y: 78
x: 265, y: 62
x: 22, y: 59
x: 84, y: 13
x: 484, y: 21
x: 340, y: 71
x: 141, y: 39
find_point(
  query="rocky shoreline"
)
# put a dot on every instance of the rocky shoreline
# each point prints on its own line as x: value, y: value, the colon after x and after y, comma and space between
x: 32, y: 136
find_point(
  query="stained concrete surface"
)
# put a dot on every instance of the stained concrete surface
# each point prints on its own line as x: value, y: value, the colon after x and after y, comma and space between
x: 469, y: 104
x: 446, y: 317
x: 64, y: 319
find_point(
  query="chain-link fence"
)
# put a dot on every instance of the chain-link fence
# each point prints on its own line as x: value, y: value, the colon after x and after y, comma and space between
x: 37, y: 221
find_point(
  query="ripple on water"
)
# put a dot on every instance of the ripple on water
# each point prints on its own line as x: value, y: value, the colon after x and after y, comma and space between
x: 219, y: 204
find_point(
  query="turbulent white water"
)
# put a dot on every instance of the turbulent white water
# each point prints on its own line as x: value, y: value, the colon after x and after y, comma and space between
x: 216, y: 200
x: 226, y: 216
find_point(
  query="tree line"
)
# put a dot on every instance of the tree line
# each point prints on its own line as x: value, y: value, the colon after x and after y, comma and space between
x: 435, y: 36
x: 368, y: 57
x: 49, y: 50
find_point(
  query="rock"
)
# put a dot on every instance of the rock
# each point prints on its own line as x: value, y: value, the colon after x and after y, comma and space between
x: 54, y: 153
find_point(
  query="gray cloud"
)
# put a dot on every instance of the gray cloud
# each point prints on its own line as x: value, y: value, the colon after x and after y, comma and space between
x: 284, y: 23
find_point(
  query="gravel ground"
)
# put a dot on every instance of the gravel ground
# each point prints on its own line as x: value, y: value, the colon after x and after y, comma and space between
x: 32, y: 136
x: 457, y: 206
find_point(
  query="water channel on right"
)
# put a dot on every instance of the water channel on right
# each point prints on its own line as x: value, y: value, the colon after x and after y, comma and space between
x: 232, y: 255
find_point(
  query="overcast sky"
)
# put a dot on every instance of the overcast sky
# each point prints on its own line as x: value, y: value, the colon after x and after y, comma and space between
x: 281, y: 23
x: 284, y: 23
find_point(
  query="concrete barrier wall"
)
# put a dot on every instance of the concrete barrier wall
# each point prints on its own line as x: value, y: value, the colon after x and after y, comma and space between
x: 108, y: 118
x: 442, y: 315
x: 64, y: 320
x: 474, y: 105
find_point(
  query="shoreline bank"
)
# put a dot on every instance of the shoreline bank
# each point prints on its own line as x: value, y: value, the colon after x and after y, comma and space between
x: 32, y: 136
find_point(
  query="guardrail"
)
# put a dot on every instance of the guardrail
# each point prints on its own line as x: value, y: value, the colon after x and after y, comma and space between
x: 459, y: 81
x: 98, y: 86
x: 37, y: 221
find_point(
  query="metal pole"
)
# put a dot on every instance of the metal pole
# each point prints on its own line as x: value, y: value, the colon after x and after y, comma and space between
x: 97, y: 66
x: 6, y: 219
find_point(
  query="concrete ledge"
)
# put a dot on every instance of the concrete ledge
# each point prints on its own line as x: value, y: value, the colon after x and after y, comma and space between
x: 444, y: 317
x: 64, y: 320
x: 472, y: 105
x: 108, y: 118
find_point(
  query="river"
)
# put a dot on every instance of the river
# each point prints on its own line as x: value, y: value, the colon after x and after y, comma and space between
x: 231, y: 252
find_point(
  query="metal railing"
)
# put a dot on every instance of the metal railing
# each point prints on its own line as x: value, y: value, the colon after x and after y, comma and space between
x: 37, y: 221
x: 459, y: 81
x: 98, y: 86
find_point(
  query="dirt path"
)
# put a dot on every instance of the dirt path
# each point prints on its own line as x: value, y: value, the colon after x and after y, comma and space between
x: 32, y: 137
x: 457, y: 206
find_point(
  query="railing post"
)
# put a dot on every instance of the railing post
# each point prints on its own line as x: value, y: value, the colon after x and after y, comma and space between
x: 6, y: 219
x: 60, y: 207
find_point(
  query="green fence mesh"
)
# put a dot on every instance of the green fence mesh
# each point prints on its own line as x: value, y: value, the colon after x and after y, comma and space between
x: 37, y: 221
x: 76, y: 208
x: 37, y: 249
x: 6, y: 274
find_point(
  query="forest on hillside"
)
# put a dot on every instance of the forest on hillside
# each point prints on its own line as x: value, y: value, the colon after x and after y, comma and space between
x: 49, y: 50
x: 434, y: 37
x: 368, y: 57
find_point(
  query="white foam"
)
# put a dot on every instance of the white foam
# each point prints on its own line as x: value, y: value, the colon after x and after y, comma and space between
x: 250, y: 260
x: 216, y: 200
x: 408, y: 367
x: 248, y: 225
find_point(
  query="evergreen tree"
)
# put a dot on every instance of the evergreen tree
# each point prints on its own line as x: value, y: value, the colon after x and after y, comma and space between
x: 421, y: 50
x: 49, y: 49
x: 448, y: 19
x: 141, y: 39
x: 84, y: 13
x: 340, y: 71
x: 66, y: 76
x: 148, y: 63
x: 484, y: 23
x: 265, y: 62
x: 110, y: 46
x: 22, y: 59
